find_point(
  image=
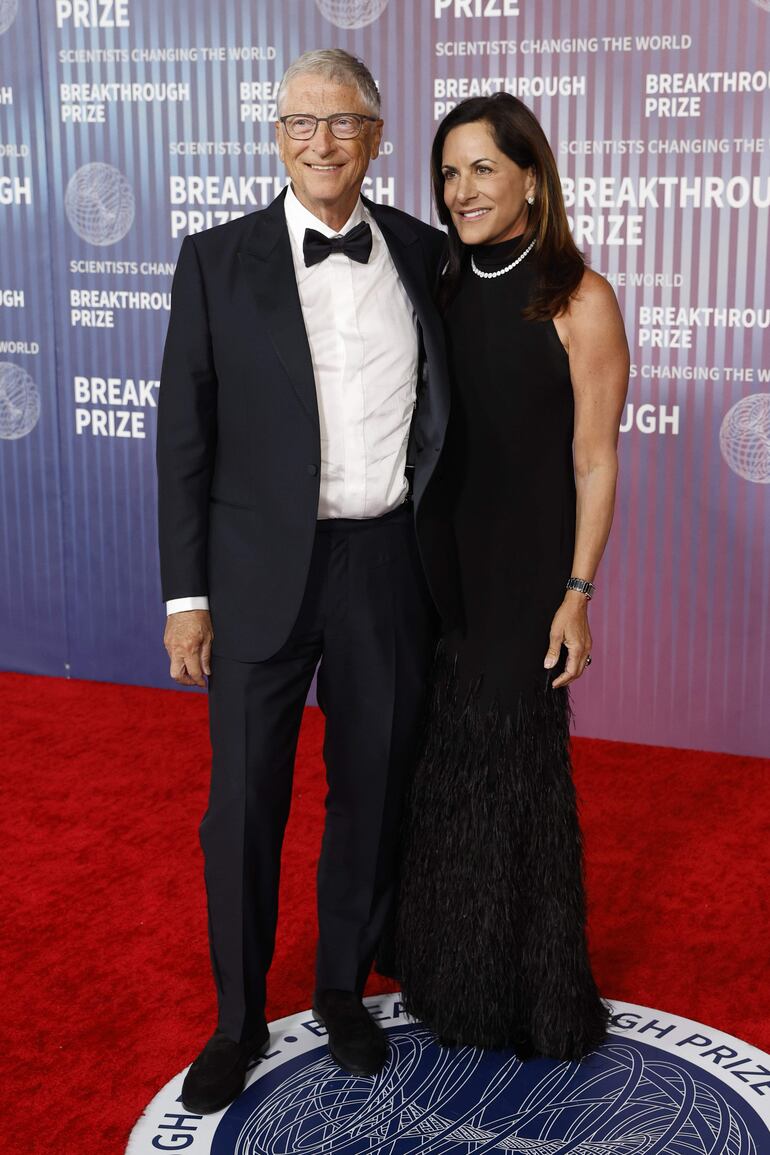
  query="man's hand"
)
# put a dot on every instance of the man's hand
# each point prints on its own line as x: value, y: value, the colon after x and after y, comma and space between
x: 187, y: 638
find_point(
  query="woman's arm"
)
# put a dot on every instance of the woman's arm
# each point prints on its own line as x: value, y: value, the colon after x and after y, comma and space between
x: 592, y: 333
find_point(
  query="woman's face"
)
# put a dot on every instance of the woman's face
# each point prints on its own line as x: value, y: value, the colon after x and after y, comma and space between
x: 485, y: 191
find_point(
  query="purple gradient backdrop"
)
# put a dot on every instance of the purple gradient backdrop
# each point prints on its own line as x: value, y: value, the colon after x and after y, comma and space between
x: 681, y: 615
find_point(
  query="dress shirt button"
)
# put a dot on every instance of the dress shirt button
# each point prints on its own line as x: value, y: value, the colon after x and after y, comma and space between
x: 312, y: 470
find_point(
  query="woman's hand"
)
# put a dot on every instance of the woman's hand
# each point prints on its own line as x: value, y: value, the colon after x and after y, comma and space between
x: 570, y: 628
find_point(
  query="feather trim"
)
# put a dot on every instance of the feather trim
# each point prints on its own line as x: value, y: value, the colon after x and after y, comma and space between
x: 490, y: 936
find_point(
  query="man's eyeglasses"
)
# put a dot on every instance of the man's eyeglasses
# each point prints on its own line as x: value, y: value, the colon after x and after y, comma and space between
x: 343, y: 125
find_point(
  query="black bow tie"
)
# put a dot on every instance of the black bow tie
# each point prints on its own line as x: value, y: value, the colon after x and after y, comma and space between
x: 357, y: 244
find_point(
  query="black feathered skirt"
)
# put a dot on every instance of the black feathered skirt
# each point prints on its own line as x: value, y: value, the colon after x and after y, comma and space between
x: 490, y: 928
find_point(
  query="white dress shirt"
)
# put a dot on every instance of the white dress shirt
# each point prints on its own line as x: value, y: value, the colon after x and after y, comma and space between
x: 362, y: 333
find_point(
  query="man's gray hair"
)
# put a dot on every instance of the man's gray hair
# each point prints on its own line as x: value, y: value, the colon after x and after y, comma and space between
x: 338, y: 66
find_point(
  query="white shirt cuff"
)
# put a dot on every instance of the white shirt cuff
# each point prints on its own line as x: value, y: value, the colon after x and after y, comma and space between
x: 179, y: 605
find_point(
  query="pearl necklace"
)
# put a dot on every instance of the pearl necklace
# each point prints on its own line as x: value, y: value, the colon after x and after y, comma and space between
x: 499, y: 272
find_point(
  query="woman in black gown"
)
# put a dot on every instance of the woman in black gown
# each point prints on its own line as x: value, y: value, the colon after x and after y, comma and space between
x: 491, y: 925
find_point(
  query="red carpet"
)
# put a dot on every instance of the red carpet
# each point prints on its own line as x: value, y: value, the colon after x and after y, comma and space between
x: 106, y: 967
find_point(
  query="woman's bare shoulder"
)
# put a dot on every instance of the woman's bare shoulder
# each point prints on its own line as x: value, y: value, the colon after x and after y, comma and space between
x: 593, y: 292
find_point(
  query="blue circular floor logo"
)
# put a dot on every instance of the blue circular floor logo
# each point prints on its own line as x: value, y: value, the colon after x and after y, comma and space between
x: 660, y: 1085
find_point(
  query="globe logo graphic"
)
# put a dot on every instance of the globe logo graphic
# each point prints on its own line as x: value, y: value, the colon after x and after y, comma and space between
x: 640, y: 1093
x: 744, y: 438
x: 99, y: 203
x: 763, y: 4
x: 352, y: 13
x: 8, y: 10
x: 19, y: 402
x: 625, y: 1098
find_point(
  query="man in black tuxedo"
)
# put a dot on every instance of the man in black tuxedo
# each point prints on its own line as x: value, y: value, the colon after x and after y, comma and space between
x: 303, y: 381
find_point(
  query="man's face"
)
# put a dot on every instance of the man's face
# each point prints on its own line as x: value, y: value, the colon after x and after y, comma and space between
x: 326, y: 173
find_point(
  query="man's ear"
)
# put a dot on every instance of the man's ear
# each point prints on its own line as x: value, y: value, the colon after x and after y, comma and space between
x: 374, y: 151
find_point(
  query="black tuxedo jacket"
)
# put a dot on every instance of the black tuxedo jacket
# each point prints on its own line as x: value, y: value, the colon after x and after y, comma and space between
x: 238, y: 445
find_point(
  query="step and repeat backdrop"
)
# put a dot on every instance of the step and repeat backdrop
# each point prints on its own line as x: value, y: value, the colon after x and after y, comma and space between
x: 126, y: 124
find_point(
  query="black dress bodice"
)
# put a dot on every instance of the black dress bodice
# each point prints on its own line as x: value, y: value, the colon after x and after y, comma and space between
x: 509, y: 470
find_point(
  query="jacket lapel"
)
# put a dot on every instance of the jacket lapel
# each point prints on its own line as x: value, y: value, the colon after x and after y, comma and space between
x: 267, y: 263
x: 405, y: 253
x: 432, y: 410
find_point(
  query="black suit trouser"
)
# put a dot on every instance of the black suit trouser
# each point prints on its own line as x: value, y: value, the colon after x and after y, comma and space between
x: 367, y: 617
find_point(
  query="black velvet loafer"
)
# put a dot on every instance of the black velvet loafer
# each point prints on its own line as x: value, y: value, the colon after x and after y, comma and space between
x: 217, y: 1076
x: 356, y: 1042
